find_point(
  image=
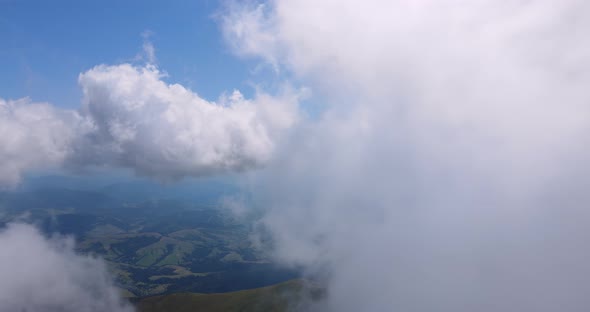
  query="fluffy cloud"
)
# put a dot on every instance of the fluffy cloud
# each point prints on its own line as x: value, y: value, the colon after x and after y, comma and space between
x: 32, y: 136
x: 42, y: 275
x: 131, y: 118
x: 165, y: 130
x: 449, y: 170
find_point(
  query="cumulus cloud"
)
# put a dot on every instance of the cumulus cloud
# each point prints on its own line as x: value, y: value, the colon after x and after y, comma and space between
x: 449, y: 172
x: 32, y: 136
x: 43, y: 275
x: 165, y: 130
x: 131, y: 118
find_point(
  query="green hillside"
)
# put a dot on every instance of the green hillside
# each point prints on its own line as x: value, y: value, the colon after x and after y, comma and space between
x: 272, y: 298
x: 152, y: 246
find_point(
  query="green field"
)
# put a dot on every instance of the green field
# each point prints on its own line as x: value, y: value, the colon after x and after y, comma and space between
x: 278, y: 298
x: 155, y: 246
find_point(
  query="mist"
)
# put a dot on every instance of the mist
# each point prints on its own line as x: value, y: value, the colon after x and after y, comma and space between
x: 42, y: 274
x: 449, y: 170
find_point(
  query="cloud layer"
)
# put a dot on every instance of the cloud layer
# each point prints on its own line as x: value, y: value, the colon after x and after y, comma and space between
x: 131, y: 118
x: 44, y: 275
x: 449, y: 170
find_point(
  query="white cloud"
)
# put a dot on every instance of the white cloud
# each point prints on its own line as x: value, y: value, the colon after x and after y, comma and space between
x: 131, y: 118
x: 32, y: 136
x: 249, y: 30
x: 167, y: 131
x: 43, y: 275
x: 449, y: 171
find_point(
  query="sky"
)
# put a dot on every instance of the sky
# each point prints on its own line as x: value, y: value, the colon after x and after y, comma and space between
x: 447, y: 169
x: 45, y: 45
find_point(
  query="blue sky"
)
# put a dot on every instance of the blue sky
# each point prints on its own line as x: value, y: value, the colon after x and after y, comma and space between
x: 44, y: 45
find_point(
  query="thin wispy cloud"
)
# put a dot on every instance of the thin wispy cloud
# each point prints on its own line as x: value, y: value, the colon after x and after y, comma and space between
x: 148, y: 53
